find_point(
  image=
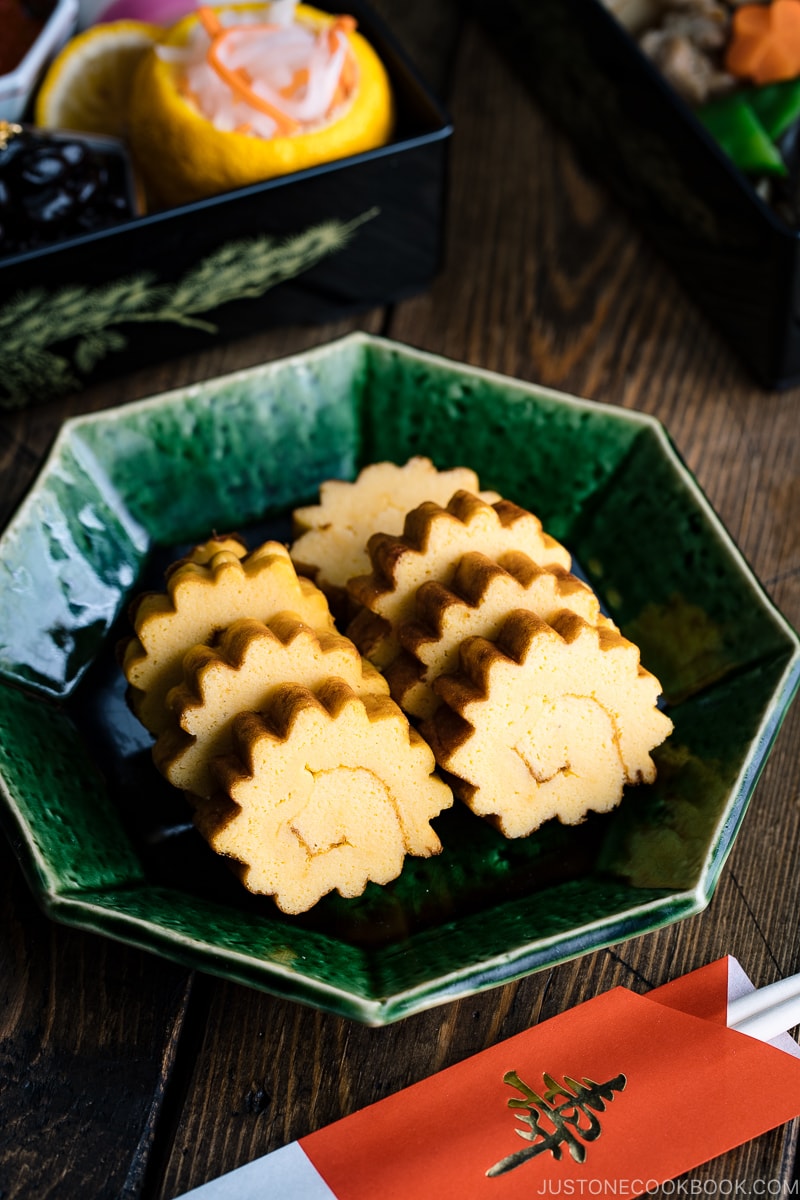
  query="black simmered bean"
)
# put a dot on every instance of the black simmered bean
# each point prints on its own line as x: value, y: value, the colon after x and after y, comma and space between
x: 53, y: 187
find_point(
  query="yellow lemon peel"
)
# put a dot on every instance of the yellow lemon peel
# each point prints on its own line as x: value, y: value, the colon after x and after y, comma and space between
x: 183, y: 157
x: 87, y: 87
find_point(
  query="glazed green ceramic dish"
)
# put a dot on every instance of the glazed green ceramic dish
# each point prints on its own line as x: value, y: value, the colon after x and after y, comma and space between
x: 108, y: 846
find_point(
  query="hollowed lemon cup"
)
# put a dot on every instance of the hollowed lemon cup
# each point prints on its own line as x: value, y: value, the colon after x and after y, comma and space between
x: 182, y: 157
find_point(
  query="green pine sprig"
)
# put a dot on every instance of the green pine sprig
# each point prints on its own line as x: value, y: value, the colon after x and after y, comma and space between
x: 35, y: 321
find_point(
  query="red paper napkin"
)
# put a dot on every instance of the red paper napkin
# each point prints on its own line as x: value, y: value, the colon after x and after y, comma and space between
x: 614, y: 1096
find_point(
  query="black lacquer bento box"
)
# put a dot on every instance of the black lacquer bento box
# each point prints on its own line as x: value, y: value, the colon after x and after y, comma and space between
x: 737, y: 258
x: 305, y: 248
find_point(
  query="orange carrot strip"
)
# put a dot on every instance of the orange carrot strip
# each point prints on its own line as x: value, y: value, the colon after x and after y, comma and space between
x: 349, y: 75
x: 338, y: 97
x: 209, y: 20
x: 345, y: 85
x: 214, y: 27
x: 242, y: 88
x: 239, y: 81
x: 299, y: 79
x: 343, y: 25
x: 765, y: 42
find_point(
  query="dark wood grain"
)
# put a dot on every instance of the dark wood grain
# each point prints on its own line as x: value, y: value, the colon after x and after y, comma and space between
x: 122, y: 1075
x: 88, y: 1034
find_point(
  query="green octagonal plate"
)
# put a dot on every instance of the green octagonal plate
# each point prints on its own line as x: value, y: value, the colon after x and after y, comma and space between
x: 108, y: 846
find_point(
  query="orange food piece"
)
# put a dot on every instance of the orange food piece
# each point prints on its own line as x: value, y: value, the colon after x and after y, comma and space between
x: 299, y: 79
x: 765, y: 42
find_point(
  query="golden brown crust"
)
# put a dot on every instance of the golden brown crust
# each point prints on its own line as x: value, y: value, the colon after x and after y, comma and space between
x: 549, y: 720
x: 433, y: 541
x: 205, y: 593
x: 330, y: 790
x: 203, y: 552
x: 480, y: 596
x: 331, y: 537
x: 370, y: 633
x: 239, y: 673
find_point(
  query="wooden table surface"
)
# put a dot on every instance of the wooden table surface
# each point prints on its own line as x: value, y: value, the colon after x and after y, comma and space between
x: 122, y: 1075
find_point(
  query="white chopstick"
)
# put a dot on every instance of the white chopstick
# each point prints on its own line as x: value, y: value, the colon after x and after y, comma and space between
x: 767, y: 1012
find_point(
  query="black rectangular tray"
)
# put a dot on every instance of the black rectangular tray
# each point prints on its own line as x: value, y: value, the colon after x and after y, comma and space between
x: 306, y: 248
x: 735, y: 256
